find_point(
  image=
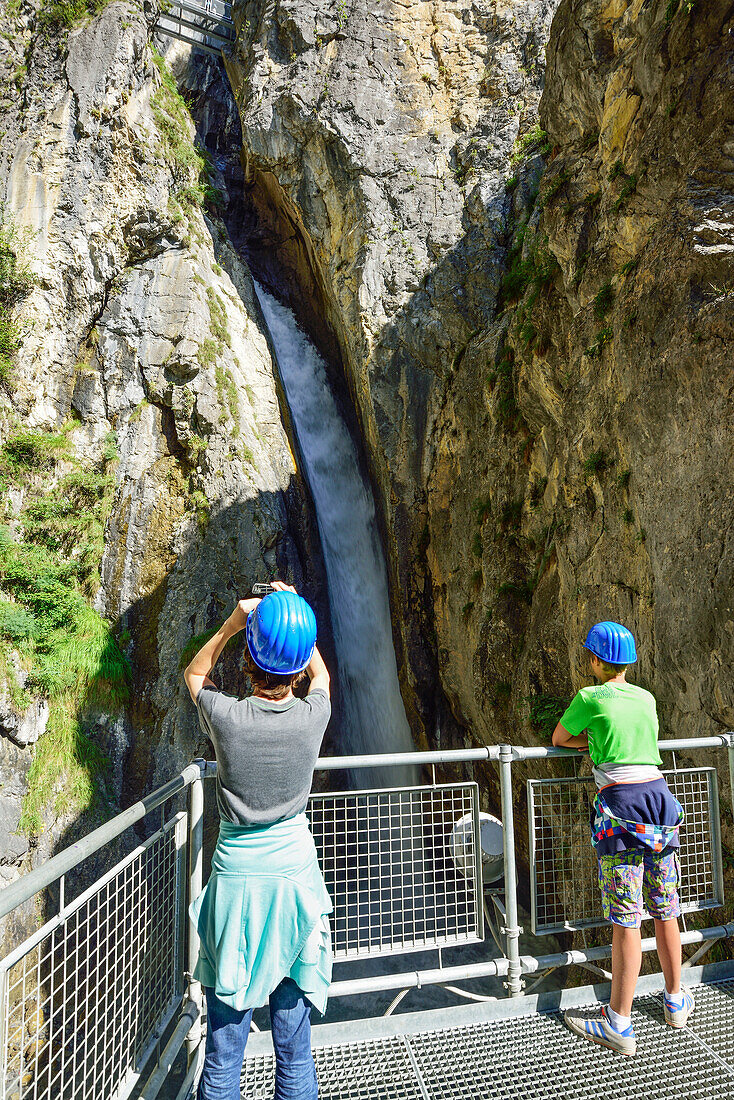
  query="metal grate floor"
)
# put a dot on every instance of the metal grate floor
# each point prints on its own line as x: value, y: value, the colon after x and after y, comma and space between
x: 530, y: 1057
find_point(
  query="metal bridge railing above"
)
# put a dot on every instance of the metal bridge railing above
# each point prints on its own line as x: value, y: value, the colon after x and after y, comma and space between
x: 89, y: 998
x: 206, y: 24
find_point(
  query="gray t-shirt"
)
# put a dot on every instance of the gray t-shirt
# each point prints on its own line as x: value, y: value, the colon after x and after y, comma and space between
x: 266, y: 752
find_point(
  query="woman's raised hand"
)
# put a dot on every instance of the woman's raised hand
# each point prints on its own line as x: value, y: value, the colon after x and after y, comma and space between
x: 238, y: 618
x: 281, y: 586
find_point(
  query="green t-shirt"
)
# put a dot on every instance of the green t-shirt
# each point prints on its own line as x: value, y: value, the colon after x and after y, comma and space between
x: 621, y: 721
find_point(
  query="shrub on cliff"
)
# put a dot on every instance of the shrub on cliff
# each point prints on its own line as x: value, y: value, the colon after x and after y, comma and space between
x: 49, y: 570
x: 16, y: 281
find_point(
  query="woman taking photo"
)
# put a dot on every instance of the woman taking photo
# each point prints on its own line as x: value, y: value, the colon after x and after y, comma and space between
x: 263, y: 917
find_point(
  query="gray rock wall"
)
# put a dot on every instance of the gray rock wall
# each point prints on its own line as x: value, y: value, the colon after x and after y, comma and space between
x: 376, y: 146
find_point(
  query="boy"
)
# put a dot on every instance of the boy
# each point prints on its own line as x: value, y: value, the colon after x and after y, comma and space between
x: 634, y: 830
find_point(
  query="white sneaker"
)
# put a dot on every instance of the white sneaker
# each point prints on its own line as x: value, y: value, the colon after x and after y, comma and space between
x: 677, y: 1015
x: 594, y: 1025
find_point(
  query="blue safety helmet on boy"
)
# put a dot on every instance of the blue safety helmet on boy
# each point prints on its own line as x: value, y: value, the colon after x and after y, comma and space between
x: 281, y: 633
x: 612, y: 642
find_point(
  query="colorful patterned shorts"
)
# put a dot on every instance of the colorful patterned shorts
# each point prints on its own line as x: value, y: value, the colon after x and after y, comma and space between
x: 635, y: 879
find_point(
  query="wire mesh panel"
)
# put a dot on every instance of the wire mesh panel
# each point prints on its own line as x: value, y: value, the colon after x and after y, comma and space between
x: 86, y: 997
x: 386, y: 861
x: 563, y: 864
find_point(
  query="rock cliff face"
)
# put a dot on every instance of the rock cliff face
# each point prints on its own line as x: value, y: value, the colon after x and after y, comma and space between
x: 143, y: 379
x: 534, y: 334
x: 376, y: 147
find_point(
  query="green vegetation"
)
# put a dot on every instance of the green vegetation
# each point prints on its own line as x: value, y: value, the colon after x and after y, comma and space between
x: 482, y: 509
x: 629, y: 267
x: 507, y: 411
x: 228, y: 399
x: 545, y: 712
x: 218, y: 317
x: 47, y: 575
x: 511, y: 184
x: 603, y: 337
x: 511, y: 514
x: 628, y: 515
x: 624, y: 479
x: 554, y: 187
x: 195, y: 447
x: 629, y: 187
x: 535, y: 270
x: 62, y: 14
x: 534, y: 137
x: 537, y: 490
x: 674, y: 6
x: 16, y: 281
x: 596, y: 463
x: 603, y: 301
x: 516, y: 590
x: 617, y: 169
x: 207, y: 352
x: 191, y: 165
x: 202, y: 509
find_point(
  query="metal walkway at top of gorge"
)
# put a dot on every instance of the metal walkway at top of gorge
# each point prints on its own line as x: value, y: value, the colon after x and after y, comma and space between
x: 205, y: 24
x: 99, y: 1001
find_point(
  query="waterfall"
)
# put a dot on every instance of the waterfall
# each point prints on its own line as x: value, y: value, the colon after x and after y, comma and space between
x: 372, y: 712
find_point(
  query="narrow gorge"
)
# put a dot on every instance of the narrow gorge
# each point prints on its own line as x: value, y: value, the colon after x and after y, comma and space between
x: 508, y: 228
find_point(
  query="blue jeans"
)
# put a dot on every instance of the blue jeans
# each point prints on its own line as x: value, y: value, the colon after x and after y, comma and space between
x: 226, y: 1039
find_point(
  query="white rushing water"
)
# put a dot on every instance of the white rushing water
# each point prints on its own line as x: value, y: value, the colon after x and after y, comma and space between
x: 372, y: 713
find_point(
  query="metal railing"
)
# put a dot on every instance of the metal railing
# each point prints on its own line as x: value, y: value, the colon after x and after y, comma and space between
x: 206, y: 24
x: 95, y: 992
x: 563, y: 870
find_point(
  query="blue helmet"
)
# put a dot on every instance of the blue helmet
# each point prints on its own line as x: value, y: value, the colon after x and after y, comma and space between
x: 612, y: 642
x: 281, y: 633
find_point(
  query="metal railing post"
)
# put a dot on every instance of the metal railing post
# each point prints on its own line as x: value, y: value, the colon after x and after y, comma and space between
x: 196, y: 843
x: 730, y: 752
x: 512, y: 929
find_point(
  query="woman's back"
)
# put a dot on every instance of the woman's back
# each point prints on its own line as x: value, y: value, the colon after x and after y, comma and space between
x: 266, y: 752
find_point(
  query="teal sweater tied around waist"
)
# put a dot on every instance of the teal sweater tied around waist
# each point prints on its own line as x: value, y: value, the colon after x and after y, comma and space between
x: 264, y: 915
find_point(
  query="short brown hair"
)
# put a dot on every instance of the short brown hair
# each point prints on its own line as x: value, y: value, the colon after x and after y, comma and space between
x: 609, y: 666
x: 270, y: 685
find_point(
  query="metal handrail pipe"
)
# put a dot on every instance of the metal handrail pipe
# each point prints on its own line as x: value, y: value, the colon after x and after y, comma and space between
x: 169, y: 32
x: 29, y: 885
x: 498, y: 968
x: 194, y: 9
x: 491, y: 752
x: 530, y: 964
x: 158, y: 1077
x: 539, y: 752
x: 414, y: 979
x: 199, y: 28
x: 394, y: 759
x: 186, y: 1091
x: 199, y: 9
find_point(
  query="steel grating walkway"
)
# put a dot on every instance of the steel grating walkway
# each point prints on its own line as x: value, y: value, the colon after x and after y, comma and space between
x: 523, y: 1056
